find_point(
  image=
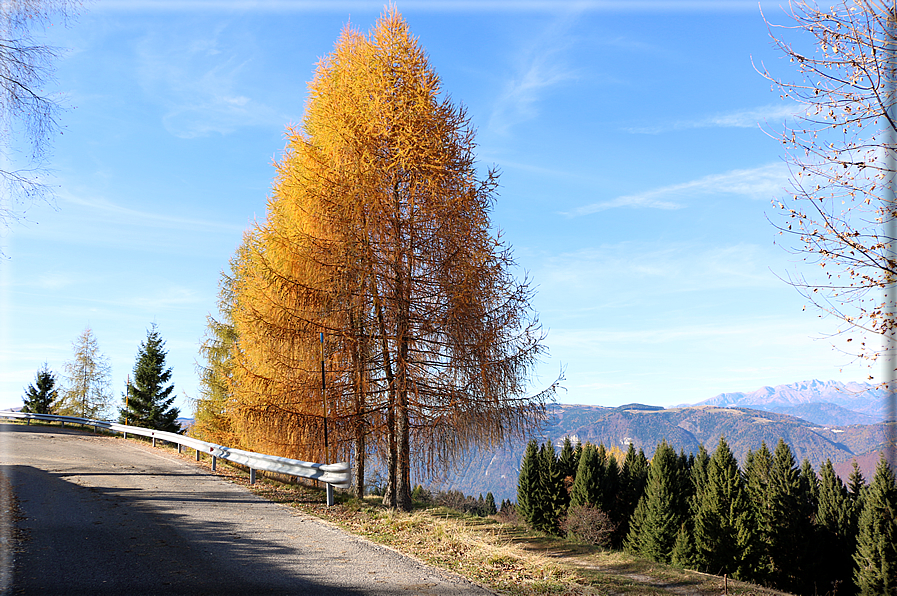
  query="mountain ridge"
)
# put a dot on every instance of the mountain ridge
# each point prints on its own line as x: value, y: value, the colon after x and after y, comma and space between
x: 809, y: 418
x: 862, y: 398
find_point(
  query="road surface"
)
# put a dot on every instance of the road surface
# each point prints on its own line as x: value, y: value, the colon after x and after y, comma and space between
x: 100, y: 515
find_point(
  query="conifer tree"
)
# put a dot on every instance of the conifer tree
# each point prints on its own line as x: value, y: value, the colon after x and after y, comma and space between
x: 835, y: 533
x: 660, y: 513
x: 149, y: 396
x: 721, y: 508
x: 378, y: 236
x: 214, y: 416
x: 787, y: 529
x: 40, y: 396
x: 856, y: 483
x: 586, y: 488
x: 756, y: 565
x: 876, y: 549
x: 808, y: 504
x: 685, y: 554
x: 633, y: 475
x: 610, y: 484
x: 567, y: 466
x: 809, y: 484
x: 491, y: 509
x: 528, y: 482
x: 547, y: 509
x: 86, y: 392
x: 699, y: 473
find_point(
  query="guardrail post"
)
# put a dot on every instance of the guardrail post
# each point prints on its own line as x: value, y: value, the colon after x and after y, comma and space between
x: 63, y: 423
x: 251, y: 475
x: 197, y: 455
x: 126, y: 435
x: 29, y: 421
x: 330, y: 495
x: 214, y: 461
x: 179, y: 448
x: 154, y: 441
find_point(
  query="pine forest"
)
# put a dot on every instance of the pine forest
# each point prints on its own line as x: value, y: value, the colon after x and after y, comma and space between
x: 768, y: 521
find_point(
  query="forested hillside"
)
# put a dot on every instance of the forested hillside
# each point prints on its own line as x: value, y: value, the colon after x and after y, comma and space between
x: 768, y: 520
x: 683, y: 428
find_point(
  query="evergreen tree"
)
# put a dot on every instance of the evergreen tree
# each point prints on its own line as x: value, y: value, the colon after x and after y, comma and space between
x: 490, y: 504
x: 547, y: 510
x: 785, y: 524
x: 148, y: 399
x: 685, y: 554
x: 876, y: 550
x: 809, y: 488
x: 40, y: 397
x: 699, y: 470
x: 633, y: 476
x: 660, y: 513
x: 528, y: 482
x: 834, y: 535
x: 855, y: 484
x: 586, y: 489
x: 756, y: 565
x: 720, y: 517
x: 610, y: 484
x: 600, y: 482
x: 567, y: 464
x: 808, y: 504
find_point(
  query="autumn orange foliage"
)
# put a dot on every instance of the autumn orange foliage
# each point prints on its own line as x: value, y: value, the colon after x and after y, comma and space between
x: 378, y: 237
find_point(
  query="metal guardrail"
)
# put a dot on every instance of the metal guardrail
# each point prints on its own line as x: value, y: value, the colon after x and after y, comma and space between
x: 332, y: 474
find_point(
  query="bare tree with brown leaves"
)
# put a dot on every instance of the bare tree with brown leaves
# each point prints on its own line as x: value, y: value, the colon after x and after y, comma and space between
x: 841, y: 151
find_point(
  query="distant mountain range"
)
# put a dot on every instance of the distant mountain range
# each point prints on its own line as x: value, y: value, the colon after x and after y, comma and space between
x: 822, y: 402
x: 818, y: 420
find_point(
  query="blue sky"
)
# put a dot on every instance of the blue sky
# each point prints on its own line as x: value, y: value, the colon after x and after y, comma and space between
x: 636, y: 182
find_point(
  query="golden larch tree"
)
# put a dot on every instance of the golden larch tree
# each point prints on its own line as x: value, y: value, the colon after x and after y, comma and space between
x: 378, y: 236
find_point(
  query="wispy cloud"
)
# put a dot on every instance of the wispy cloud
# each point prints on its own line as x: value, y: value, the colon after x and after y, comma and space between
x: 56, y: 281
x: 757, y: 183
x: 749, y: 118
x: 170, y: 297
x: 618, y: 274
x: 156, y: 220
x: 199, y: 81
x: 541, y: 67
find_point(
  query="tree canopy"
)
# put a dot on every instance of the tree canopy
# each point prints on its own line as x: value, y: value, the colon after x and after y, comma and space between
x: 377, y: 268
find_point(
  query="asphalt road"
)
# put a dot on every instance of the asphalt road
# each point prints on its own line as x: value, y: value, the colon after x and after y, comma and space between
x: 100, y: 515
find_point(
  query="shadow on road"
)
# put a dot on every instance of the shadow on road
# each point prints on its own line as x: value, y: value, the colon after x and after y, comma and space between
x: 76, y: 539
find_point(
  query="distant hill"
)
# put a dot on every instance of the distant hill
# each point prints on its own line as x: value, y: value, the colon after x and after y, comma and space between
x: 822, y: 402
x: 867, y: 463
x: 685, y: 428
